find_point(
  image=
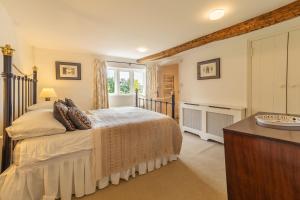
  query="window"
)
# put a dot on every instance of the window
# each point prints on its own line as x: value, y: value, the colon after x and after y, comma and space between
x: 111, y: 81
x: 138, y: 81
x: 124, y: 81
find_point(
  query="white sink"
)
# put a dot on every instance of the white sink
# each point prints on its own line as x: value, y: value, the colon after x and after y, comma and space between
x: 278, y: 121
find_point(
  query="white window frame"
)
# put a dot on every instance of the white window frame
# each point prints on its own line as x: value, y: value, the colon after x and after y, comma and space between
x: 115, y: 79
x: 144, y: 77
x: 130, y: 81
x: 131, y: 71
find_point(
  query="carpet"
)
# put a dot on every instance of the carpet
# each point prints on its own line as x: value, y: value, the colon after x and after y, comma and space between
x: 198, y: 174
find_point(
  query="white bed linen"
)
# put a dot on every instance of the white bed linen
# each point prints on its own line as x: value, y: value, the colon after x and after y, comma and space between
x: 39, y: 149
x: 56, y: 166
x: 65, y: 175
x: 36, y: 123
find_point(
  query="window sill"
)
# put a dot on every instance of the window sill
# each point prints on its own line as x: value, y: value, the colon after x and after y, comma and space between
x: 122, y: 95
x: 116, y: 95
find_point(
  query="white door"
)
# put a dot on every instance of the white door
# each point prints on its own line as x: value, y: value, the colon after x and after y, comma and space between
x: 269, y: 64
x: 293, y: 89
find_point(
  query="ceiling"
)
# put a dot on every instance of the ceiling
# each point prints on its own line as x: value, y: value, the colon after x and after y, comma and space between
x: 118, y: 27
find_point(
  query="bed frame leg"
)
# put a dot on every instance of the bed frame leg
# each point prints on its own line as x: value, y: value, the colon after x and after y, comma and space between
x: 136, y: 98
x: 173, y: 105
x: 34, y: 82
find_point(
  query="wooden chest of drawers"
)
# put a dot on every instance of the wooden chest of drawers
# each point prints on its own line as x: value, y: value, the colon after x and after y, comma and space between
x: 261, y: 163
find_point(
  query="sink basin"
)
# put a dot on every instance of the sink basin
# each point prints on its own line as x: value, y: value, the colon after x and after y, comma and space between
x: 279, y: 121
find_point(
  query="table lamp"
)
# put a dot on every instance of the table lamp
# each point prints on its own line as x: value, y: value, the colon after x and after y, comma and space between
x: 48, y: 93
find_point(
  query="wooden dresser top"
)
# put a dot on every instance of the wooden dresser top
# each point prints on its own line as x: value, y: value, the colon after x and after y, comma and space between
x: 248, y: 126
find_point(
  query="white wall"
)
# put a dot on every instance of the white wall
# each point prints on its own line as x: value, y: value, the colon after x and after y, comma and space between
x: 232, y: 88
x: 121, y: 100
x: 81, y: 91
x: 22, y: 57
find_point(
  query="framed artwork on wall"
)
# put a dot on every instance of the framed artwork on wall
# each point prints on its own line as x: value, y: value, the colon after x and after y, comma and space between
x: 209, y: 69
x: 68, y: 70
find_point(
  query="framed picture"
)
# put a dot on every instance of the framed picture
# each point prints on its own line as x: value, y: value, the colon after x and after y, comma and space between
x: 68, y: 71
x: 209, y: 69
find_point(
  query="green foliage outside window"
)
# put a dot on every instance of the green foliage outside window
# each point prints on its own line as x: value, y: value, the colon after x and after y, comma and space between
x: 111, y: 85
x: 124, y: 86
x: 138, y: 86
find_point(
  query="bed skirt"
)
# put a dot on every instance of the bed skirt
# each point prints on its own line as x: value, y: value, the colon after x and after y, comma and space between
x: 61, y: 177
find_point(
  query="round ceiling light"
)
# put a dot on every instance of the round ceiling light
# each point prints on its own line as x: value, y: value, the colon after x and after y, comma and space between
x: 142, y: 49
x: 216, y: 14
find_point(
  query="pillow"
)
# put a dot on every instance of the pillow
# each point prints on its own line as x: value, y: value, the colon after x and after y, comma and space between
x: 62, y: 101
x: 34, y: 124
x: 42, y: 105
x: 70, y: 102
x: 60, y: 112
x: 79, y: 118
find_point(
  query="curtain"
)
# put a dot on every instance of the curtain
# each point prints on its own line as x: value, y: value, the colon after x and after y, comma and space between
x: 100, y: 88
x: 152, y: 79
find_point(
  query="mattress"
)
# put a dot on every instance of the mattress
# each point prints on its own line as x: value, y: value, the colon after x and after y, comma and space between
x: 39, y: 149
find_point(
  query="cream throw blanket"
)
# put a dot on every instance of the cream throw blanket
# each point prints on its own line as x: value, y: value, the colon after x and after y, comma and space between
x: 124, y: 137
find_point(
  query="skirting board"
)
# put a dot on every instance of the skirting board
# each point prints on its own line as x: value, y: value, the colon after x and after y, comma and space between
x: 204, y: 136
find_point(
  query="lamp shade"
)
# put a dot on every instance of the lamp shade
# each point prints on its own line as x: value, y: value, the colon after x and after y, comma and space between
x: 48, y: 93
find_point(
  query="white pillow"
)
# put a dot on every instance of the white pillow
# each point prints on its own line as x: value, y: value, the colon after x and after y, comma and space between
x: 42, y: 105
x: 34, y: 124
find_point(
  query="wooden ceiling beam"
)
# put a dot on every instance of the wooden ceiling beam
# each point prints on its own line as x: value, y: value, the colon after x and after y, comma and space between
x: 281, y: 14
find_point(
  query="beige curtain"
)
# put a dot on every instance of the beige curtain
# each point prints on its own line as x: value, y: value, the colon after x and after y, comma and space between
x: 100, y: 88
x: 152, y: 79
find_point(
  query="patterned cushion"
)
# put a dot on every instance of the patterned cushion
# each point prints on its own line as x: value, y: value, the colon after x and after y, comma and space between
x: 60, y: 112
x: 70, y: 102
x: 62, y: 101
x: 79, y: 118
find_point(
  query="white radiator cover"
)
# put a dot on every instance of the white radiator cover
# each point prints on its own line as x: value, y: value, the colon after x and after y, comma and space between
x: 208, y: 121
x: 192, y: 118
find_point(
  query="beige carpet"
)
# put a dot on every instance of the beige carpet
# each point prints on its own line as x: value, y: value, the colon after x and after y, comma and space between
x: 199, y: 174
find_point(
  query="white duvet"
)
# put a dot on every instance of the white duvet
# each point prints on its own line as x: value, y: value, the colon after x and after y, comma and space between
x: 32, y: 150
x: 38, y: 149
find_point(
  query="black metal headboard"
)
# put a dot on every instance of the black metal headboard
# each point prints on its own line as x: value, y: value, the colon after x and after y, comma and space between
x: 19, y: 92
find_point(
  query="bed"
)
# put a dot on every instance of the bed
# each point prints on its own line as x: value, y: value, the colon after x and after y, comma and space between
x: 122, y: 143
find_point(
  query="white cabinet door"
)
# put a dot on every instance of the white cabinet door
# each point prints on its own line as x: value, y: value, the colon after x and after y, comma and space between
x: 269, y: 64
x: 293, y: 89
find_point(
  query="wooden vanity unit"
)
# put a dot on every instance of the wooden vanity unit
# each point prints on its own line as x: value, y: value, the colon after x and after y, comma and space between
x: 261, y: 163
